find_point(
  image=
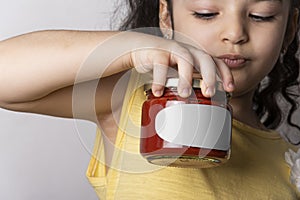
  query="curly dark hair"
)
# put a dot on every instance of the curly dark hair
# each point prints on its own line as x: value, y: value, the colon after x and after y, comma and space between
x: 142, y: 13
x: 282, y: 81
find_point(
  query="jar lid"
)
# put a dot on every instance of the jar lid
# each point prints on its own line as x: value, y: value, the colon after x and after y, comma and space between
x: 196, y: 83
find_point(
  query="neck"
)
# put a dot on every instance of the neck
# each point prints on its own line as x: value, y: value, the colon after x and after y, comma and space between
x: 243, y: 111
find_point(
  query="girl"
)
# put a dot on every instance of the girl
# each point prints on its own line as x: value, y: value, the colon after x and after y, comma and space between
x: 242, y: 41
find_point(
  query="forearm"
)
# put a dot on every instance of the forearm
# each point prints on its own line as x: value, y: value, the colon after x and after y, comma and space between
x: 36, y: 64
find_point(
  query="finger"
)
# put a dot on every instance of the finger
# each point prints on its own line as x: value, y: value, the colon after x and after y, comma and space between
x: 207, y: 67
x: 185, y: 67
x: 226, y: 75
x: 159, y: 79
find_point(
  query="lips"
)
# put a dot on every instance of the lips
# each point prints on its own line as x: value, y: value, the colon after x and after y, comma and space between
x: 233, y: 61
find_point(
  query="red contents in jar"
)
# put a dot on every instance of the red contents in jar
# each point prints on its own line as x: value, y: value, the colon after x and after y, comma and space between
x: 152, y: 146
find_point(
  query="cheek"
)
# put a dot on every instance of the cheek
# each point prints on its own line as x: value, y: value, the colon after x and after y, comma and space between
x: 189, y: 31
x: 267, y: 41
x: 267, y: 50
x: 200, y: 39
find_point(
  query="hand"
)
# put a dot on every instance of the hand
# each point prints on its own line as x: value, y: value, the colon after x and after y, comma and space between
x: 162, y: 54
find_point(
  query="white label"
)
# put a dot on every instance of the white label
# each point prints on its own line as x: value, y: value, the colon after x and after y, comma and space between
x: 195, y: 125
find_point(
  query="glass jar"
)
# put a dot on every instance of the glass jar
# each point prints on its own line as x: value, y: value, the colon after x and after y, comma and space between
x: 186, y: 132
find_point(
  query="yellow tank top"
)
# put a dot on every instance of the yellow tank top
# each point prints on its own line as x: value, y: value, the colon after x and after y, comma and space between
x: 256, y: 170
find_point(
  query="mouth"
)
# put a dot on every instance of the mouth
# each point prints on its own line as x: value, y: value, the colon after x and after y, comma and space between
x: 233, y: 61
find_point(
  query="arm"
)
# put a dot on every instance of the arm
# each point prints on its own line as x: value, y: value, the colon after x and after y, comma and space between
x: 36, y: 64
x: 38, y: 70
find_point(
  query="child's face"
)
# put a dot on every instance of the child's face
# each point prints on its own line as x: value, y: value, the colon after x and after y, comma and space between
x: 247, y: 34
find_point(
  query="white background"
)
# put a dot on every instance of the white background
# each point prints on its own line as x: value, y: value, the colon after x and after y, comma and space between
x: 44, y: 157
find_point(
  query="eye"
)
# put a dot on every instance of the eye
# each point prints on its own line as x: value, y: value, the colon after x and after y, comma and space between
x: 259, y: 18
x: 205, y: 16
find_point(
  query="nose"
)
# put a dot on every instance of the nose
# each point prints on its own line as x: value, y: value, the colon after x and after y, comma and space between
x: 234, y: 30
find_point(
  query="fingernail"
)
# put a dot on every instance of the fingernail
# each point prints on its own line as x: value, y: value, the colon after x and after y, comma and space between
x: 210, y: 91
x: 230, y: 85
x: 157, y: 93
x: 185, y: 92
